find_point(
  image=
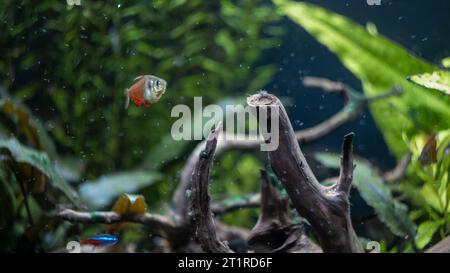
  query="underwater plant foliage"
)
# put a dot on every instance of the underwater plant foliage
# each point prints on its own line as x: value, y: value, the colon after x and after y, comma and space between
x: 71, y: 64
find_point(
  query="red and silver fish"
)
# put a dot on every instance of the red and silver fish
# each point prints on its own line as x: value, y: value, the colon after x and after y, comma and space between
x: 100, y: 240
x: 146, y: 90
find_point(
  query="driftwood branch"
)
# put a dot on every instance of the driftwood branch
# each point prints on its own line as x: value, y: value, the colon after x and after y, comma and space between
x: 324, y: 84
x: 226, y: 143
x: 274, y: 231
x: 344, y: 183
x: 235, y: 236
x: 326, y: 209
x: 177, y: 236
x: 399, y: 171
x: 253, y: 201
x: 353, y: 106
x: 201, y: 211
x: 441, y: 247
x: 158, y: 223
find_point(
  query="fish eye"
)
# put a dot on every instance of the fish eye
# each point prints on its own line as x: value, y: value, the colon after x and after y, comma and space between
x: 158, y: 84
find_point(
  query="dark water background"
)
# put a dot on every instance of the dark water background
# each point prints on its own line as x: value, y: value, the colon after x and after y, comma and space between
x: 423, y: 27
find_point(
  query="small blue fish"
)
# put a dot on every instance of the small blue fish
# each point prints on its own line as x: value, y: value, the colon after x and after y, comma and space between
x: 100, y: 240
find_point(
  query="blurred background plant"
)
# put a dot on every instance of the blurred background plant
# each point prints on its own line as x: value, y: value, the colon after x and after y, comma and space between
x: 71, y: 64
x: 381, y: 65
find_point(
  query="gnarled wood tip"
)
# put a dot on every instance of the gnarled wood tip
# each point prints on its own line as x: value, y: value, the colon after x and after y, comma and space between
x: 348, y: 138
x: 262, y: 98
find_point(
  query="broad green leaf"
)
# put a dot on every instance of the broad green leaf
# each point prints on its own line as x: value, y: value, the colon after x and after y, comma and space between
x: 102, y: 191
x: 376, y: 194
x: 438, y: 80
x: 28, y: 126
x: 425, y: 232
x: 31, y: 160
x: 130, y: 204
x: 380, y: 64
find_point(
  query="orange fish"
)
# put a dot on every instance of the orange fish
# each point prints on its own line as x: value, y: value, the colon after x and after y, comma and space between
x: 146, y: 90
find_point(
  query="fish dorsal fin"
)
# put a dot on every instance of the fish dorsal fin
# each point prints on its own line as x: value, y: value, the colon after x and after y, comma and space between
x: 138, y: 78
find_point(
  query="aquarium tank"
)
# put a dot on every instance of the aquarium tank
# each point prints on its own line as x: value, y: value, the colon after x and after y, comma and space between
x: 228, y: 126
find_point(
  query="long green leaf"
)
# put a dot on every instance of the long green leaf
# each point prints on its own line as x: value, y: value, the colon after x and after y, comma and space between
x: 380, y: 64
x: 376, y: 194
